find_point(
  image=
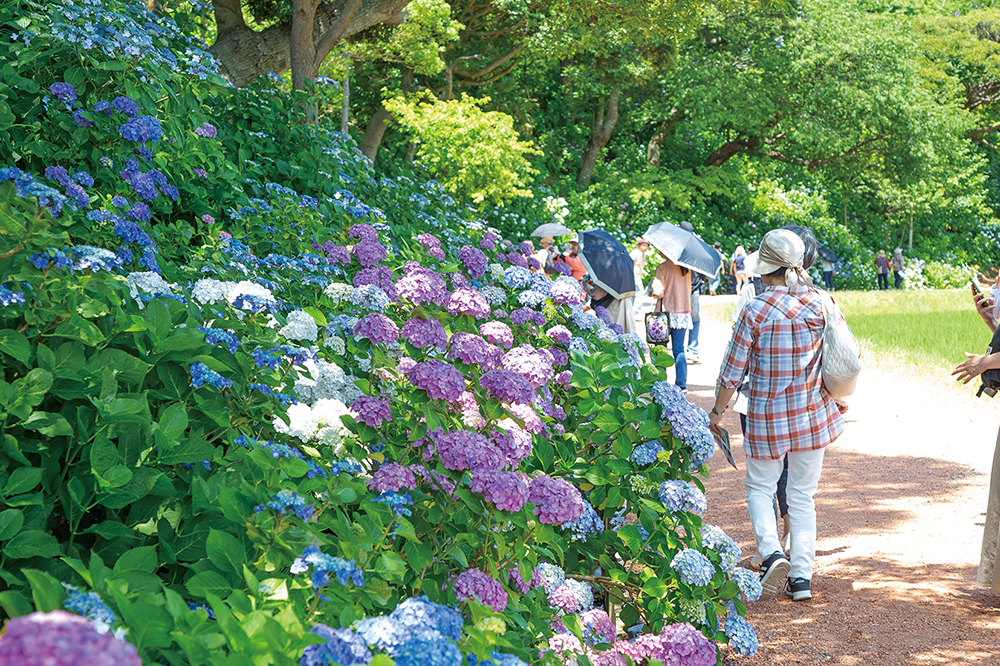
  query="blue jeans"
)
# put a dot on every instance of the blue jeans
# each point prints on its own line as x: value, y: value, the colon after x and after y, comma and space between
x: 692, y: 340
x: 677, y: 338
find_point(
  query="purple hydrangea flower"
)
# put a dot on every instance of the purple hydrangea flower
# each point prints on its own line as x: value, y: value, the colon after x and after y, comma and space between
x: 363, y: 232
x: 507, y: 386
x: 378, y: 328
x: 63, y: 91
x: 517, y: 259
x: 535, y: 365
x: 369, y: 252
x: 425, y: 333
x: 474, y: 350
x: 439, y: 379
x: 469, y: 302
x: 564, y: 293
x: 392, y: 476
x: 371, y: 410
x: 380, y: 276
x: 497, y: 332
x: 206, y: 130
x: 422, y: 285
x: 464, y: 449
x: 560, y: 334
x: 58, y: 174
x: 562, y: 268
x: 514, y: 444
x: 522, y: 316
x: 508, y: 491
x: 429, y: 240
x: 474, y: 584
x: 474, y: 259
x: 342, y: 646
x: 81, y: 119
x: 59, y: 638
x: 557, y: 500
x: 525, y: 247
x: 488, y: 241
x: 514, y: 573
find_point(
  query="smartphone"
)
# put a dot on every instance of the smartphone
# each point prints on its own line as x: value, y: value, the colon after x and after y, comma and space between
x: 975, y: 287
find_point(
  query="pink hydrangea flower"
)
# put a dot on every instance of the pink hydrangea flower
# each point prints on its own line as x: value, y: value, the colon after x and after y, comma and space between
x: 498, y: 333
x: 560, y: 334
x: 469, y: 302
x: 515, y: 444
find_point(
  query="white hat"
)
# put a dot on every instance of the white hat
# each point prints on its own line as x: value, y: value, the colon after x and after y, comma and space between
x: 780, y: 248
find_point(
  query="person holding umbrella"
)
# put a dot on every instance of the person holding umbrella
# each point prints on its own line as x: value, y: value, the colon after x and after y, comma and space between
x: 672, y: 294
x: 609, y: 280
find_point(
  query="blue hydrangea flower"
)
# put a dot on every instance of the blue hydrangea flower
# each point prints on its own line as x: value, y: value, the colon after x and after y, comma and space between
x: 344, y: 570
x: 7, y: 296
x: 742, y: 637
x: 748, y: 582
x: 589, y: 523
x: 679, y: 495
x: 421, y: 651
x: 342, y: 647
x: 714, y: 538
x: 692, y: 567
x: 645, y: 454
x: 214, y: 336
x: 88, y: 605
x: 398, y: 502
x: 201, y: 374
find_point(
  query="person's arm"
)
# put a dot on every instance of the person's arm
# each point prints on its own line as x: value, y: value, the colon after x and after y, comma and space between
x: 660, y: 281
x: 719, y: 408
x: 975, y: 365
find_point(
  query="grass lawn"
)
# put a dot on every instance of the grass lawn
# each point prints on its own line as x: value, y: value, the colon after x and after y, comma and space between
x: 928, y: 329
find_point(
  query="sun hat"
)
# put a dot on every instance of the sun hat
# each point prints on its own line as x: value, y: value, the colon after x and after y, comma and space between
x: 641, y: 241
x: 780, y: 248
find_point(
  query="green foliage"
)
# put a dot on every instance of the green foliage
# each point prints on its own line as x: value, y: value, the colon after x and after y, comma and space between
x: 473, y: 153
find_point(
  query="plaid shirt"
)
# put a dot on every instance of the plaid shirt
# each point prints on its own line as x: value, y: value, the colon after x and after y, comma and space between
x: 777, y: 340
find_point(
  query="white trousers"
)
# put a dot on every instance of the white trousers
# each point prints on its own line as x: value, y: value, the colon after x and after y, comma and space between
x: 804, y: 469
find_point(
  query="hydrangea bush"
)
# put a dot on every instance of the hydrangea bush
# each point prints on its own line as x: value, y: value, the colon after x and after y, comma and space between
x: 255, y: 413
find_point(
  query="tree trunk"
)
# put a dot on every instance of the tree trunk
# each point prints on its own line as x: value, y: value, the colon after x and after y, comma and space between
x: 374, y: 132
x: 245, y: 54
x: 345, y: 109
x: 656, y: 141
x: 604, y: 125
x: 379, y: 122
x: 302, y: 47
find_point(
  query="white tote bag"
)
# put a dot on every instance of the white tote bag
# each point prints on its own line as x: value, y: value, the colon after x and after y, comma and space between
x: 841, y: 361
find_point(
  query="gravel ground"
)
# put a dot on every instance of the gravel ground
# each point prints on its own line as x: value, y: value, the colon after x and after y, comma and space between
x: 899, y: 512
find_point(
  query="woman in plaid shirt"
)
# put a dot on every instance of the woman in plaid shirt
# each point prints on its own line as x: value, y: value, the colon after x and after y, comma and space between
x: 777, y: 339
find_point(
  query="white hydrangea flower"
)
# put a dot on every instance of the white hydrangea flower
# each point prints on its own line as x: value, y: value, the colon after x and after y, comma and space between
x: 301, y: 422
x: 251, y: 291
x: 210, y: 291
x: 364, y: 364
x: 149, y: 282
x: 338, y: 291
x: 336, y: 343
x: 300, y: 326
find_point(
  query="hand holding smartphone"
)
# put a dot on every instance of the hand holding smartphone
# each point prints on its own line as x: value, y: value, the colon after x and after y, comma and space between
x: 975, y: 287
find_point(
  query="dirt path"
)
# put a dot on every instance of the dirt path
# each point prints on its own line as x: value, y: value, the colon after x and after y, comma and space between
x: 900, y: 518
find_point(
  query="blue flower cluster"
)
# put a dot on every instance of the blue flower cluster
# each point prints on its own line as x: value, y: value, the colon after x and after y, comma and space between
x: 516, y: 277
x: 645, y: 454
x: 197, y: 607
x: 25, y: 185
x: 692, y: 567
x: 8, y: 296
x: 742, y: 637
x: 714, y: 538
x: 142, y: 129
x: 287, y: 499
x: 748, y: 582
x: 201, y: 374
x: 679, y: 495
x: 398, y: 502
x: 88, y: 605
x: 214, y: 336
x: 415, y: 621
x: 283, y: 398
x: 323, y: 565
x: 588, y: 524
x: 342, y: 647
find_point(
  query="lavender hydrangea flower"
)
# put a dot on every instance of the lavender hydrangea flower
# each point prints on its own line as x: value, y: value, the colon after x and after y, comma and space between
x: 423, y: 333
x: 468, y: 302
x: 439, y: 379
x: 692, y: 567
x: 474, y: 259
x: 558, y: 501
x: 565, y: 294
x: 59, y: 638
x: 681, y: 643
x: 206, y: 130
x: 63, y: 91
x: 514, y: 442
x: 378, y: 328
x: 474, y: 584
x: 572, y: 596
x: 369, y: 252
x: 508, y: 491
x: 679, y: 495
x: 533, y: 364
x: 461, y: 450
x: 392, y: 476
x: 488, y: 241
x: 380, y: 276
x: 522, y: 316
x: 422, y: 285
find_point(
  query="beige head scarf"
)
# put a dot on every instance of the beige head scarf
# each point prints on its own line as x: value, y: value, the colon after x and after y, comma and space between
x: 781, y: 248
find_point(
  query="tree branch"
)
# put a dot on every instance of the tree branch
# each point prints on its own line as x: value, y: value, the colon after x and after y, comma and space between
x: 492, y: 79
x: 980, y: 132
x: 337, y: 29
x: 824, y: 161
x: 492, y: 65
x: 228, y: 15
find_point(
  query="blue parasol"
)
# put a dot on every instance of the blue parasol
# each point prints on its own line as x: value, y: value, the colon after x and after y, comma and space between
x: 684, y: 248
x: 607, y: 262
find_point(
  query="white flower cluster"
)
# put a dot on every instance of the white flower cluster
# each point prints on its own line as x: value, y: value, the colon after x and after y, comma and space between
x: 338, y: 291
x: 317, y: 423
x: 327, y: 381
x: 336, y: 343
x: 300, y: 326
x: 211, y: 292
x: 557, y: 207
x: 149, y: 282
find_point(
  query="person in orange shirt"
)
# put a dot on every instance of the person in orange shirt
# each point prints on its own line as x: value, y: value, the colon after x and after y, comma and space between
x: 575, y: 263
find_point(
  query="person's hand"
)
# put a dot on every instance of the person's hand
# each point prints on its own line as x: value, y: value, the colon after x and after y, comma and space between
x: 984, y: 305
x: 713, y: 423
x: 970, y: 368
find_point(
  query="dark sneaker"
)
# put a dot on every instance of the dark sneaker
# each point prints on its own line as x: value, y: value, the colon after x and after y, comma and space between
x: 798, y: 589
x: 773, y: 572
